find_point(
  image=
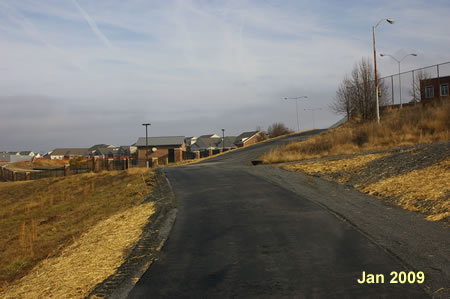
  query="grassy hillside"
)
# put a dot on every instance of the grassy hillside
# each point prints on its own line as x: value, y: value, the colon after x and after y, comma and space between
x: 399, y: 127
x: 39, y: 218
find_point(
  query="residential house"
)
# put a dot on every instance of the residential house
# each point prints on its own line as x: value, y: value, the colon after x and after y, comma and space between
x: 160, y: 147
x: 190, y: 140
x: 247, y: 138
x: 104, y: 151
x: 70, y: 153
x: 127, y: 150
x: 214, y: 142
x: 27, y: 153
x: 434, y: 89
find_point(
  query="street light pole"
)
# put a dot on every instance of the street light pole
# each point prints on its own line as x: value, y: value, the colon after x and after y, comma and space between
x: 223, y: 140
x: 146, y: 144
x: 399, y: 72
x: 313, y: 109
x: 390, y: 21
x: 296, y: 107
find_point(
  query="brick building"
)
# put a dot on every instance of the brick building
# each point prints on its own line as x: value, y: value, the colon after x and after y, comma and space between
x: 434, y: 89
x: 247, y: 138
x: 164, y: 148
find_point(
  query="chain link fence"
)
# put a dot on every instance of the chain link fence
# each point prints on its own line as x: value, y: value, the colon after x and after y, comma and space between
x: 415, y: 85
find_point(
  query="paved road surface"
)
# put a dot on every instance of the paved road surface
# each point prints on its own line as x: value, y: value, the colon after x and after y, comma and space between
x: 238, y: 235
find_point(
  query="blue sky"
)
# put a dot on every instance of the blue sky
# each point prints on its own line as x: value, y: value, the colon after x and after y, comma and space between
x: 75, y: 73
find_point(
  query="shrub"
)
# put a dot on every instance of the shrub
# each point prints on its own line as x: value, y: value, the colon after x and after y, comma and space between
x: 277, y: 129
x: 360, y: 138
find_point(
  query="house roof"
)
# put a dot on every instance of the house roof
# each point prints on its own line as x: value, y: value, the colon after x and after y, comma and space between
x: 205, y: 143
x: 106, y: 151
x: 244, y: 136
x: 70, y: 151
x: 161, y: 141
x: 229, y: 142
x: 209, y: 136
x: 102, y: 145
x: 247, y: 134
x: 25, y: 153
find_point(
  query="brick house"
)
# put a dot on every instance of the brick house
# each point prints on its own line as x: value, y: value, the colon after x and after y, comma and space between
x: 69, y: 153
x: 247, y: 138
x: 434, y: 89
x: 165, y: 147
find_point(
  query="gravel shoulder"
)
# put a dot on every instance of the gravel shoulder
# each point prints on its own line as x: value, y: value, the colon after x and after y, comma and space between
x: 418, y: 244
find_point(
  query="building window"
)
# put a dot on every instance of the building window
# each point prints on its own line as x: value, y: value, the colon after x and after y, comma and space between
x: 444, y: 90
x: 429, y: 92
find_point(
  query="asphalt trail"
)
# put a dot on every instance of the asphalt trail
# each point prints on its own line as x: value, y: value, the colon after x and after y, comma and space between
x: 238, y: 235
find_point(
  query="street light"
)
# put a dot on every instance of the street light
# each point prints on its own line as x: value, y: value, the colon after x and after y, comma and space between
x: 399, y: 77
x: 146, y: 144
x: 313, y: 109
x: 223, y: 140
x: 390, y: 21
x: 296, y: 107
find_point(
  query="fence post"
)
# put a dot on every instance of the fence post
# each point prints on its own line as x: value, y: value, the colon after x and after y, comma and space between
x: 96, y: 164
x: 3, y: 172
x: 14, y: 176
x: 128, y: 162
x: 109, y: 164
x: 154, y: 162
x: 66, y: 170
x: 123, y: 163
x: 210, y: 153
x: 27, y: 176
x: 178, y: 155
x: 439, y: 82
x: 392, y: 87
x: 414, y: 87
x: 197, y: 155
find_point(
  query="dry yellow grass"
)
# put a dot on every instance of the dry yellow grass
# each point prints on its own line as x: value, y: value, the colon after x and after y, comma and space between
x: 87, y: 262
x: 40, y: 218
x: 408, y: 126
x: 426, y: 190
x: 331, y: 166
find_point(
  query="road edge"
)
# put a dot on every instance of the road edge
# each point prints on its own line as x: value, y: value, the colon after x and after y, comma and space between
x: 147, y: 249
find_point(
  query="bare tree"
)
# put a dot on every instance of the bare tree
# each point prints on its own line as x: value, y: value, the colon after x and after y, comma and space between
x: 344, y: 100
x: 356, y: 94
x: 416, y: 92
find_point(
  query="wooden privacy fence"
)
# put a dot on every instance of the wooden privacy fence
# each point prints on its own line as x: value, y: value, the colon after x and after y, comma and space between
x: 79, y: 167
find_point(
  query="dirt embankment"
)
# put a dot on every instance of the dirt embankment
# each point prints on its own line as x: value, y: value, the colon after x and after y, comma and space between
x: 413, y: 177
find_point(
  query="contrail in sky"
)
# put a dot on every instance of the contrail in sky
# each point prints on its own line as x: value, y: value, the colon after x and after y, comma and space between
x: 93, y: 25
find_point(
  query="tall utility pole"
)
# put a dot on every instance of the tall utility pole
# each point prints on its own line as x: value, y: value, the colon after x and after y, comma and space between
x: 296, y: 107
x: 223, y: 140
x: 146, y: 144
x: 390, y: 21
